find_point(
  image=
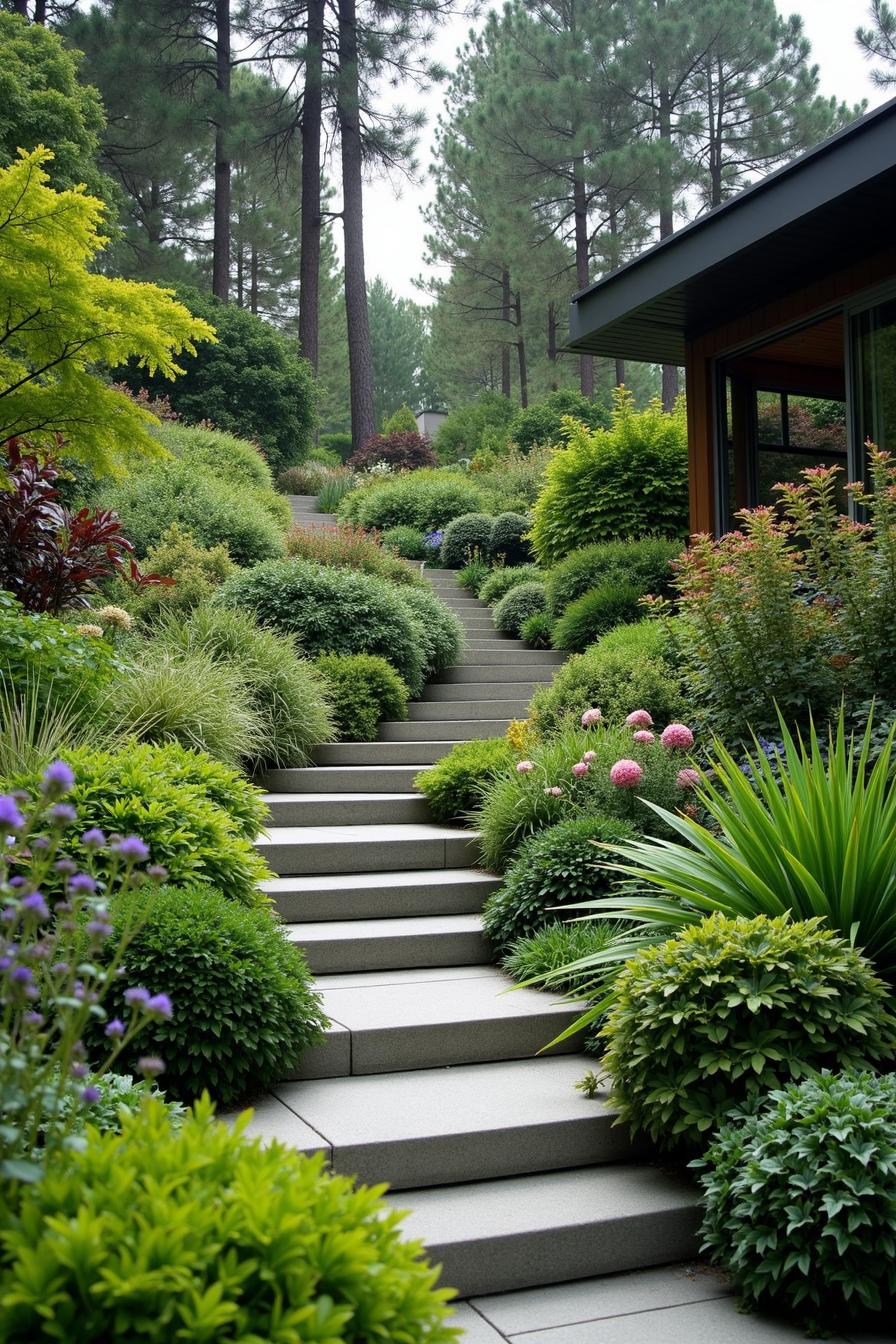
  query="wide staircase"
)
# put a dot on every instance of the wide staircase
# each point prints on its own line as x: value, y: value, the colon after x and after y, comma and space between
x: 430, y: 1077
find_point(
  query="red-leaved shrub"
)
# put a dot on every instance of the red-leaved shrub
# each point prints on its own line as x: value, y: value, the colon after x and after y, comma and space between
x: 403, y: 452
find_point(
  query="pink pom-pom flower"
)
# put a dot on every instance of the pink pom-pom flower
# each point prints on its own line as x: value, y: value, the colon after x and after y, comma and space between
x: 687, y: 779
x: 591, y: 717
x: 554, y: 792
x: 525, y: 767
x: 677, y: 735
x: 643, y: 735
x: 639, y: 718
x: 626, y: 774
x: 588, y: 756
x: 580, y: 768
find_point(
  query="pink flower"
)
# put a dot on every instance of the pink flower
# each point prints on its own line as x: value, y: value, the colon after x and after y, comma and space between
x: 588, y: 756
x: 687, y: 779
x: 554, y: 792
x: 591, y: 717
x: 643, y: 735
x: 524, y: 767
x: 626, y: 774
x: 639, y: 718
x: 677, y: 735
x: 580, y: 768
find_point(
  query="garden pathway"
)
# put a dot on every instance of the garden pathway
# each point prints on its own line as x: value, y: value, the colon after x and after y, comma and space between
x: 429, y: 1077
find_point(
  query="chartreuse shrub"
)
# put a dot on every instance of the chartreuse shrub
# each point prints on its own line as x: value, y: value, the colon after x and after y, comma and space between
x: 602, y: 609
x: 501, y: 580
x: 453, y: 787
x: 244, y: 1010
x: 44, y: 657
x: 556, y: 867
x: 197, y: 571
x: 406, y: 542
x: 799, y: 1200
x: 626, y: 481
x: 244, y: 1241
x: 362, y: 690
x: 630, y: 665
x: 331, y: 611
x: 507, y: 544
x: 465, y: 538
x: 426, y: 499
x: 514, y: 608
x: 711, y: 1019
x: 645, y: 563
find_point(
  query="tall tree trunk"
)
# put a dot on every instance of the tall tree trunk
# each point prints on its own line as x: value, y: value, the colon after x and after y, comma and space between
x: 505, y: 317
x: 521, y: 351
x: 253, y: 278
x: 620, y: 372
x: 21, y: 7
x: 221, y: 239
x: 40, y: 12
x: 309, y: 247
x: 552, y: 342
x: 347, y: 107
x: 667, y: 222
x: 580, y: 218
x: 239, y: 275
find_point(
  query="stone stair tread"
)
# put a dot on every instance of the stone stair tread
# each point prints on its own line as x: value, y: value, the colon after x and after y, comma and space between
x: 411, y: 878
x: 284, y: 797
x: 399, y: 831
x: 418, y: 754
x: 362, y: 930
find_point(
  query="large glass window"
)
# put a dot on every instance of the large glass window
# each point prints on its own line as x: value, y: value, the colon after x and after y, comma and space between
x: 874, y: 345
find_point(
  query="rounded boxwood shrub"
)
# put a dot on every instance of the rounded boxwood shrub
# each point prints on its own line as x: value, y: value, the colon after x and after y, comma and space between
x: 585, y: 620
x: 362, y: 689
x: 218, y: 454
x: 331, y: 611
x: 243, y: 1012
x: 246, y: 1239
x: 627, y: 668
x: 440, y: 634
x: 453, y: 786
x: 501, y: 580
x: 426, y: 499
x: 466, y: 538
x: 515, y: 607
x: 645, y: 563
x: 799, y: 1198
x: 713, y: 1018
x: 506, y: 544
x: 404, y: 541
x: 559, y: 866
x: 536, y: 630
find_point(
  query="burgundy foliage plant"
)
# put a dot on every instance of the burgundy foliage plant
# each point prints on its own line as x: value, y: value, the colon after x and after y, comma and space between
x: 403, y: 452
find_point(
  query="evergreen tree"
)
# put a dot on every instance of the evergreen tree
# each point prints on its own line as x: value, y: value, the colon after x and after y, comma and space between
x: 878, y: 42
x: 399, y: 336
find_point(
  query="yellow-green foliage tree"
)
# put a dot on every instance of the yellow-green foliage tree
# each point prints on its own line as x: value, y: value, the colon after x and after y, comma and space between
x: 62, y: 325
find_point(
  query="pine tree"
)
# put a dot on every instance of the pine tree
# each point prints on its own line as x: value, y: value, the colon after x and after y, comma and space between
x: 878, y: 42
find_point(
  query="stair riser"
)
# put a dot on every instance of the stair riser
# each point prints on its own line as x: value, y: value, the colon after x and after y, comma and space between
x: 428, y: 711
x: 335, y: 779
x: 383, y: 753
x: 370, y: 856
x: 518, y: 666
x: 338, y: 811
x: 459, y: 730
x: 471, y: 691
x: 344, y: 957
x: 464, y: 898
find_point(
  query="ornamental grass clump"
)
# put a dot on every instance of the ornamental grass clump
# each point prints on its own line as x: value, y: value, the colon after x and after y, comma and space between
x: 730, y: 1008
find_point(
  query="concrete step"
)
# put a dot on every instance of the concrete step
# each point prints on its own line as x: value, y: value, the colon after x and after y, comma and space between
x: 461, y: 730
x: 290, y: 850
x: 471, y: 623
x: 387, y: 895
x: 390, y: 1021
x: 426, y: 711
x: 342, y: 779
x: 474, y: 691
x: 468, y: 1123
x: 486, y: 642
x: 345, y: 809
x: 513, y: 667
x: 336, y: 947
x: 496, y: 1236
x: 383, y: 753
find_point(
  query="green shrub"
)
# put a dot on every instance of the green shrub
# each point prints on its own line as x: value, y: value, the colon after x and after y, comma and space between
x: 46, y: 657
x: 519, y: 804
x: 282, y: 689
x: 331, y: 611
x: 428, y: 499
x: 730, y: 1008
x: 197, y: 571
x: 554, y: 949
x: 453, y: 787
x: 327, y: 457
x: 515, y: 607
x: 340, y: 444
x: 626, y: 667
x: 798, y: 1198
x: 334, y: 490
x: 627, y: 481
x: 506, y: 544
x: 306, y: 479
x: 215, y: 453
x: 465, y: 539
x: 362, y: 690
x: 513, y: 482
x: 117, y: 1091
x: 593, y: 615
x: 536, y: 630
x: 402, y: 421
x: 244, y: 1010
x: 404, y: 541
x: 198, y: 817
x: 557, y: 867
x: 214, y: 512
x: 500, y: 581
x: 462, y: 432
x: 542, y: 425
x: 473, y: 576
x: 349, y: 547
x: 440, y: 634
x: 645, y: 563
x: 245, y: 1240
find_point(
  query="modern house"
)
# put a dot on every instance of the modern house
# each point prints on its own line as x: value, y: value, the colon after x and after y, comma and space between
x: 781, y: 305
x: 428, y: 421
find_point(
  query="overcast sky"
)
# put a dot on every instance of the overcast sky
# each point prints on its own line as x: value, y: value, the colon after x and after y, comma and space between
x: 394, y: 228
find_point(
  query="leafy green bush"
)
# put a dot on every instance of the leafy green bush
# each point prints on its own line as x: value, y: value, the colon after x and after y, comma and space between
x: 244, y: 1010
x: 473, y: 576
x: 349, y: 547
x: 599, y: 611
x: 402, y: 421
x: 465, y: 538
x: 507, y: 546
x: 331, y: 611
x: 362, y: 690
x: 281, y: 689
x: 500, y: 581
x: 251, y: 381
x: 627, y: 481
x: 440, y: 634
x: 247, y: 1240
x: 555, y: 948
x: 462, y: 433
x: 556, y: 867
x: 542, y: 425
x: 518, y: 803
x: 198, y: 817
x: 628, y: 666
x: 799, y: 1201
x: 215, y: 453
x: 42, y: 656
x: 536, y: 630
x: 117, y: 1091
x: 427, y: 499
x: 197, y: 571
x: 645, y: 563
x: 513, y: 481
x: 214, y: 512
x: 515, y: 607
x: 453, y: 787
x: 341, y: 444
x: 404, y: 541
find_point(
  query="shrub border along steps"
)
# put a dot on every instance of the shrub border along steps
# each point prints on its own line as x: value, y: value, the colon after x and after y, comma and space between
x: 428, y: 1077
